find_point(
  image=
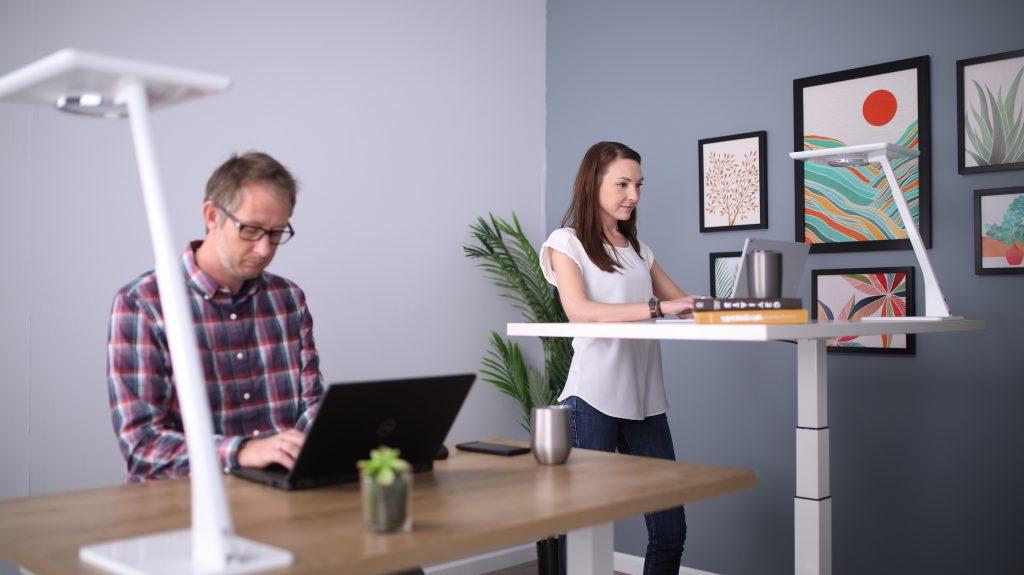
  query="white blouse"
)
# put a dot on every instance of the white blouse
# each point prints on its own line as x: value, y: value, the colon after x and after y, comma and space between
x: 619, y: 377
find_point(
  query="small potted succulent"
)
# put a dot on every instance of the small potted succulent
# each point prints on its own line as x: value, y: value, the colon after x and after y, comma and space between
x: 386, y: 486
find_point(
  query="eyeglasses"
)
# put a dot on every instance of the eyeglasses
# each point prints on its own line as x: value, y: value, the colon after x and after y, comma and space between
x: 256, y: 233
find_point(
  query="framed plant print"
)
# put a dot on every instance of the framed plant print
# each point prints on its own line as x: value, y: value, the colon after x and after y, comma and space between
x: 733, y: 182
x: 990, y: 113
x: 724, y: 267
x: 850, y: 208
x: 999, y: 231
x: 853, y: 294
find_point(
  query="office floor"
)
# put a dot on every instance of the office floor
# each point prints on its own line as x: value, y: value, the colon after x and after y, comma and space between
x: 524, y: 569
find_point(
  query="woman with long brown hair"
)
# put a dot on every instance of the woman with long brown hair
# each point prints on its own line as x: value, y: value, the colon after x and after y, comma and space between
x: 603, y: 272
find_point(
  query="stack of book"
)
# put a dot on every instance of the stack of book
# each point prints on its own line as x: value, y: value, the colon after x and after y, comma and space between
x: 749, y: 310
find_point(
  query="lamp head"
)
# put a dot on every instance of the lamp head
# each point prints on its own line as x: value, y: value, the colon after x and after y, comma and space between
x: 852, y: 156
x: 849, y: 161
x: 91, y: 104
x: 90, y: 84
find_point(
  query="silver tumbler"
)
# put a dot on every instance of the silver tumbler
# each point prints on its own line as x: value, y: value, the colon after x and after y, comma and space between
x: 764, y: 274
x: 549, y: 435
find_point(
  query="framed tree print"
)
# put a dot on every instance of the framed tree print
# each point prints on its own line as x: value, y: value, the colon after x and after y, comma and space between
x: 724, y: 267
x: 840, y: 209
x: 999, y: 231
x: 853, y: 294
x: 990, y: 119
x: 733, y: 187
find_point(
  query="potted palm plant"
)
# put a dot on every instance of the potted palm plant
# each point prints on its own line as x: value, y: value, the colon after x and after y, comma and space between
x: 509, y: 260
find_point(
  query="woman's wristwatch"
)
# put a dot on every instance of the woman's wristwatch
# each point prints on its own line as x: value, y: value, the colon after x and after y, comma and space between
x: 655, y: 306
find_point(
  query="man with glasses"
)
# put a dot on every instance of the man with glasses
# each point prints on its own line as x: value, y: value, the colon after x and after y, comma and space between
x: 254, y: 331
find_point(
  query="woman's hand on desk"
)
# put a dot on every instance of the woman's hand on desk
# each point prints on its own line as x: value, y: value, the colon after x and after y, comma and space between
x: 281, y: 449
x: 681, y: 307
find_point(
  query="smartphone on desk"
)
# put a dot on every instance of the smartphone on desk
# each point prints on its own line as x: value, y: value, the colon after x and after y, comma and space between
x: 492, y: 448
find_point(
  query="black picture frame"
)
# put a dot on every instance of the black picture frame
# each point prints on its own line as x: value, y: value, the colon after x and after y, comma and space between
x: 922, y: 65
x: 762, y: 164
x: 961, y: 102
x: 712, y: 258
x: 911, y: 347
x: 979, y: 268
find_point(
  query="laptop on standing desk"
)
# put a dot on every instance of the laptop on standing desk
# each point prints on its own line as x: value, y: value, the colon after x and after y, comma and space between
x: 412, y: 415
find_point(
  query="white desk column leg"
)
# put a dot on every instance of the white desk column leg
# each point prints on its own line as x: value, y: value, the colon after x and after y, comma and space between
x: 812, y: 509
x: 591, y: 550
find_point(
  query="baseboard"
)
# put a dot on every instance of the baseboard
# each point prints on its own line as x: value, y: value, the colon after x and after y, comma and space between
x: 486, y: 562
x: 633, y: 565
x: 511, y: 556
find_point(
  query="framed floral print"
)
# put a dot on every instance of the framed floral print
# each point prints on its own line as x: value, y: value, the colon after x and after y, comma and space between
x: 733, y: 182
x: 853, y: 294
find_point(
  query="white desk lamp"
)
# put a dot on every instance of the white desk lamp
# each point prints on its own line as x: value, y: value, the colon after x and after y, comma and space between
x: 848, y: 156
x: 106, y: 87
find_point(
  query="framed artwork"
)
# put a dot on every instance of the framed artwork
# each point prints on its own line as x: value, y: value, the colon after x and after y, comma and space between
x: 999, y: 231
x: 852, y: 294
x: 724, y: 267
x: 850, y: 208
x: 990, y: 113
x: 733, y: 182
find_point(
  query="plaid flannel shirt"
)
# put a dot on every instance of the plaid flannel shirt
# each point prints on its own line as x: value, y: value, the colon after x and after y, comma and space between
x: 256, y: 347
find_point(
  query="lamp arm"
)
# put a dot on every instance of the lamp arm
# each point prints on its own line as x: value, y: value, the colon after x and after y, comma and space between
x: 934, y: 302
x: 212, y: 529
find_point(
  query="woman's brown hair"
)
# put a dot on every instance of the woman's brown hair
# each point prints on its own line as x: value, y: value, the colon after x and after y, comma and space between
x: 584, y: 213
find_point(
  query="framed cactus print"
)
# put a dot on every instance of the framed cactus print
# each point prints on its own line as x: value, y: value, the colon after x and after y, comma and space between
x: 853, y: 294
x: 999, y: 231
x: 990, y: 119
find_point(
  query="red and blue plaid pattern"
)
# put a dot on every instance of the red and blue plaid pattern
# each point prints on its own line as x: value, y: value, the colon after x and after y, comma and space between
x: 262, y: 368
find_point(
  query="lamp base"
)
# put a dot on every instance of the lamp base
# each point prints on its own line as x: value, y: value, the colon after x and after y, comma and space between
x: 912, y: 318
x: 170, y: 553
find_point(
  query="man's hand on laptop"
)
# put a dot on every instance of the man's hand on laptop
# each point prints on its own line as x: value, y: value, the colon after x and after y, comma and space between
x: 282, y: 449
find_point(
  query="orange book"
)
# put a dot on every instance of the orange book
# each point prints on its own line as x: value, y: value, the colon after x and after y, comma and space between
x: 752, y: 316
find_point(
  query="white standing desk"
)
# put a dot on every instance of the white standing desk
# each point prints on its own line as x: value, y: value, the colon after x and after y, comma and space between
x: 813, y: 501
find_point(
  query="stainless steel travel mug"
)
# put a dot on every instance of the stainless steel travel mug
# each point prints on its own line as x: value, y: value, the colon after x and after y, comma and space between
x: 764, y: 274
x: 549, y: 435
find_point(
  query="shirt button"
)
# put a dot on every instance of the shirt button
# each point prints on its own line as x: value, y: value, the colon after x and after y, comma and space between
x: 233, y: 316
x: 206, y: 297
x: 245, y: 395
x: 240, y: 355
x: 255, y: 432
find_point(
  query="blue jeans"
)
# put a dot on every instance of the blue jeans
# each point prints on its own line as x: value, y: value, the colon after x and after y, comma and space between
x: 651, y: 437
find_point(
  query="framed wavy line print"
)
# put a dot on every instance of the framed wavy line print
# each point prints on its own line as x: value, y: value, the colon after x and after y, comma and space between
x: 850, y: 208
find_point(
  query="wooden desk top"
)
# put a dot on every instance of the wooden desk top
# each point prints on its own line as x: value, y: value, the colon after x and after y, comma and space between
x: 469, y: 504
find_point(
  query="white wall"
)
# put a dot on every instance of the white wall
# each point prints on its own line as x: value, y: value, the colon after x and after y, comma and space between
x: 404, y: 120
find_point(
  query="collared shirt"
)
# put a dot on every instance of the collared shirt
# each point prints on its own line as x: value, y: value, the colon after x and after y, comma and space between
x: 261, y: 366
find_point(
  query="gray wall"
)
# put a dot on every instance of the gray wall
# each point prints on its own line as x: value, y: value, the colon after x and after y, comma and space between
x: 404, y: 121
x: 926, y: 450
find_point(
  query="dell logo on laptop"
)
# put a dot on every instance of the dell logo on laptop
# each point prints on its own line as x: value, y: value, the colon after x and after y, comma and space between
x: 386, y: 427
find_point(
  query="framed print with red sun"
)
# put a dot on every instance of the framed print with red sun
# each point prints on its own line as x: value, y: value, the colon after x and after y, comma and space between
x: 850, y: 208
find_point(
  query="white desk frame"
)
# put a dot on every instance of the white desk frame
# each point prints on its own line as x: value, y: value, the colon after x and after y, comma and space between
x: 812, y: 506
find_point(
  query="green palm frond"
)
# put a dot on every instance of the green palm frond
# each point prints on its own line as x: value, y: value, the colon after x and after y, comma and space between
x: 504, y: 252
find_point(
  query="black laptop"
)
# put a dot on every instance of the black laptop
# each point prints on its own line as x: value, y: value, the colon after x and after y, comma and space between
x: 413, y: 415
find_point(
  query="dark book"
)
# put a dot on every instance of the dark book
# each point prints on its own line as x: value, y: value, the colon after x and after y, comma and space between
x: 746, y: 304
